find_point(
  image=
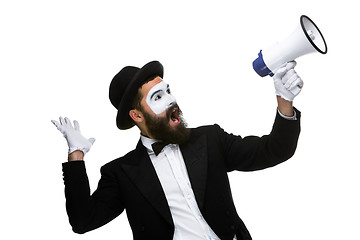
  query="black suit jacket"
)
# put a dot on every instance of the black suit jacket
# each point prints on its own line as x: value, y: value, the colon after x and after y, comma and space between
x: 130, y: 183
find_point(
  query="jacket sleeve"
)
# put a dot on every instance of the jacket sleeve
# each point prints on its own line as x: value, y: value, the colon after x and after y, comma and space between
x: 87, y: 212
x: 255, y: 153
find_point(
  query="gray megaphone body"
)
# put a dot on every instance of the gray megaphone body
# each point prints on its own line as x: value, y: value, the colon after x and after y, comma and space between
x: 306, y: 38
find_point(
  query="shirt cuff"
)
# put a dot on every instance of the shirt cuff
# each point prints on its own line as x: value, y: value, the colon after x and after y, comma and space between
x: 286, y: 117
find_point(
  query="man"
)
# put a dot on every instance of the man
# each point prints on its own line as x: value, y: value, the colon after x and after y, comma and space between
x: 174, y: 185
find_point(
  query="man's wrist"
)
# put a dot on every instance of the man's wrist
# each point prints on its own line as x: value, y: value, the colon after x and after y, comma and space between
x: 285, y: 107
x: 286, y: 117
x: 76, y: 156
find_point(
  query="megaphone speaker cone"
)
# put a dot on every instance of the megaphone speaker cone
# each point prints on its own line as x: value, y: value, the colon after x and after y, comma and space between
x: 305, y: 39
x: 313, y: 34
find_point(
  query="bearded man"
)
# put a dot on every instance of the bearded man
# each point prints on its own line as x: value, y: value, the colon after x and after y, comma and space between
x: 174, y: 184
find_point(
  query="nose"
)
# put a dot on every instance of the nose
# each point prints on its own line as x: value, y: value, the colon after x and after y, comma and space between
x: 171, y: 100
x: 172, y: 104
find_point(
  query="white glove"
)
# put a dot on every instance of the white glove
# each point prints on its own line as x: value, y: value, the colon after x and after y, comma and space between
x: 73, y: 136
x: 287, y: 82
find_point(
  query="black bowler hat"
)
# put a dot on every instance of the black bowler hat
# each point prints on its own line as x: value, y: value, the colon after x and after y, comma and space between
x: 124, y: 87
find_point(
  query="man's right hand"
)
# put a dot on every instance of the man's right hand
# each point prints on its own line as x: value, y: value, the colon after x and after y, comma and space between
x: 287, y: 82
x: 73, y: 137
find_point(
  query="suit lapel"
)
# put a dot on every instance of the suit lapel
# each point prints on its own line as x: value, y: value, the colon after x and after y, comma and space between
x: 195, y: 157
x: 142, y: 173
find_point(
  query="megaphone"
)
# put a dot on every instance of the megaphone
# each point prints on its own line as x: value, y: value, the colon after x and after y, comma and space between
x: 306, y: 38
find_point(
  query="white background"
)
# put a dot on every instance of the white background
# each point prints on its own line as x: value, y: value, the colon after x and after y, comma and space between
x: 58, y: 58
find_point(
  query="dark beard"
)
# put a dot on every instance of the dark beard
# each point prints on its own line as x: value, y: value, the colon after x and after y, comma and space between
x: 160, y: 129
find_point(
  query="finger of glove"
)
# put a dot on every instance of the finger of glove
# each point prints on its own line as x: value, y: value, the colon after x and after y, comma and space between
x: 295, y: 90
x: 67, y: 121
x: 68, y: 124
x: 76, y: 125
x: 288, y: 74
x: 288, y: 65
x: 62, y: 121
x: 291, y: 65
x: 56, y: 123
x: 92, y: 140
x: 291, y: 81
x: 297, y: 83
x: 282, y: 65
x: 58, y: 126
x: 280, y: 73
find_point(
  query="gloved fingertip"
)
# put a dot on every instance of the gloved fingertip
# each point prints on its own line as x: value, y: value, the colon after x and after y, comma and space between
x: 280, y: 72
x: 92, y: 140
x: 76, y: 125
x: 296, y: 90
x: 292, y: 72
x: 290, y: 65
x: 301, y: 84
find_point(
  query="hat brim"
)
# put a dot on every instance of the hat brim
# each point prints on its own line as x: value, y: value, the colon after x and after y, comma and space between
x: 123, y: 119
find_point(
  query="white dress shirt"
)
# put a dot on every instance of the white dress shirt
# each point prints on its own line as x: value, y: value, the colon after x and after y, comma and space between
x: 171, y: 171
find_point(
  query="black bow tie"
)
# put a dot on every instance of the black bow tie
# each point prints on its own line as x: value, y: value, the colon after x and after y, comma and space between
x: 158, y: 146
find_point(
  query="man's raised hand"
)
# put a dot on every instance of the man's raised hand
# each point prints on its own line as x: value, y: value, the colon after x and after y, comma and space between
x: 73, y: 135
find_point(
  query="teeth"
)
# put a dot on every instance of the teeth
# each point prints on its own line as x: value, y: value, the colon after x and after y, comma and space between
x: 173, y: 117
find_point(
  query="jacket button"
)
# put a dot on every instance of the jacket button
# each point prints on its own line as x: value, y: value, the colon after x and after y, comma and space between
x: 142, y: 228
x: 232, y: 227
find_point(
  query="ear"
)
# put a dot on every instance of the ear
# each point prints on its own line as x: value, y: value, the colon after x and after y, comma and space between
x: 136, y: 115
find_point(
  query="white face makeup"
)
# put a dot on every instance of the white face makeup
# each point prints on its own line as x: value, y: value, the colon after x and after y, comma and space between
x: 159, y: 98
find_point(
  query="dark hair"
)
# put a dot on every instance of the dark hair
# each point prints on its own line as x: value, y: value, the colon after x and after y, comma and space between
x: 136, y: 103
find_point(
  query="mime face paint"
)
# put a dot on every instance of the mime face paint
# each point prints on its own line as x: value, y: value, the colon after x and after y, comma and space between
x: 159, y: 98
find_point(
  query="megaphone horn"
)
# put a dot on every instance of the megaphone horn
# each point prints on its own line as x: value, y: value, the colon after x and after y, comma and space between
x: 305, y: 39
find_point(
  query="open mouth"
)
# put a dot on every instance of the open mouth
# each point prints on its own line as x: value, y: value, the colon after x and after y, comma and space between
x: 174, y: 115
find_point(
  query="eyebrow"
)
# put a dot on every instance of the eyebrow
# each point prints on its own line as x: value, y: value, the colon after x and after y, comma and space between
x: 154, y: 93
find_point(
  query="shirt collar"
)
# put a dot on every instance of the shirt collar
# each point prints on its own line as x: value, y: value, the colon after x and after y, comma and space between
x: 147, y: 142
